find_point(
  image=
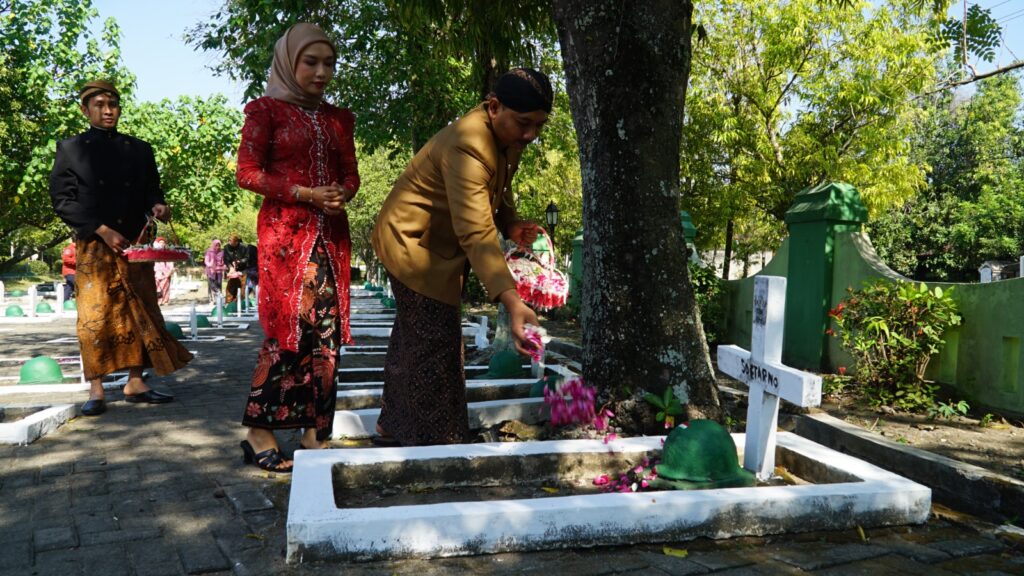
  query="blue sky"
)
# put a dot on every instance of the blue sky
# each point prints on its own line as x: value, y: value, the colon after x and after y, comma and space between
x: 166, y: 67
x: 153, y: 48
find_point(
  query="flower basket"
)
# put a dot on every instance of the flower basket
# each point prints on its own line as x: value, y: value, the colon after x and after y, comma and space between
x: 140, y: 252
x: 538, y: 282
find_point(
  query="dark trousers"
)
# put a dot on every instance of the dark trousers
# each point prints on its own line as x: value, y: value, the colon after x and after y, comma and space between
x: 69, y: 287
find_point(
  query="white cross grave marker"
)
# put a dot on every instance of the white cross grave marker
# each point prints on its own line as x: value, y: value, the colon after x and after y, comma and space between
x: 58, y: 289
x: 193, y: 323
x: 32, y: 301
x: 3, y: 292
x: 220, y: 310
x: 768, y: 379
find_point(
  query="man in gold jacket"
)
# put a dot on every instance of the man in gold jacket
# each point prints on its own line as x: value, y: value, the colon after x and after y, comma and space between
x: 445, y: 210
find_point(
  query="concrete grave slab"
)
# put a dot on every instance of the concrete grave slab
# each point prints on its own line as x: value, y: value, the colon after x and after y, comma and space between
x: 847, y: 492
x: 363, y: 423
x: 361, y: 395
x: 38, y: 420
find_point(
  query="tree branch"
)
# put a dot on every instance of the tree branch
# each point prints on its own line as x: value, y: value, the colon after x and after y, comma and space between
x: 976, y: 77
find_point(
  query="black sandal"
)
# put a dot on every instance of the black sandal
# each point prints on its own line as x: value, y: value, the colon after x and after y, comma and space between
x: 269, y: 460
x: 385, y: 441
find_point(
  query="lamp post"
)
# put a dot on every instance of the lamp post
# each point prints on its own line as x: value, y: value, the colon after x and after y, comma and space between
x: 551, y: 216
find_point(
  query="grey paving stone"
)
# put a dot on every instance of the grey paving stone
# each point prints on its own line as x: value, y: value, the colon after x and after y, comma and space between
x: 888, y: 564
x: 90, y: 502
x: 128, y: 475
x: 721, y: 560
x: 248, y: 498
x: 89, y: 522
x: 56, y: 469
x: 818, y: 555
x: 140, y: 524
x: 672, y: 565
x: 767, y: 568
x: 154, y: 558
x: 57, y: 562
x: 986, y: 565
x: 114, y: 536
x: 262, y: 520
x: 91, y: 464
x: 201, y: 555
x: 236, y: 536
x: 968, y: 546
x: 105, y: 560
x: 19, y: 480
x: 17, y: 553
x: 911, y: 550
x: 54, y: 539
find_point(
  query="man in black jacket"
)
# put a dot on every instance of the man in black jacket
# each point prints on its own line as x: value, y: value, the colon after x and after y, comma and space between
x: 106, y: 187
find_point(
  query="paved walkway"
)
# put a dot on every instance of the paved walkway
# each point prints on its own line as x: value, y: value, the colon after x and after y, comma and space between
x: 161, y: 490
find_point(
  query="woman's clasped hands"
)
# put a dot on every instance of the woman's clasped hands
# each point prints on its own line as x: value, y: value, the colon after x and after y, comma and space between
x: 331, y: 198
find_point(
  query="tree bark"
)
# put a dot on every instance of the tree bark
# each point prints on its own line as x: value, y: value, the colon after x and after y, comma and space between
x: 727, y: 260
x: 627, y: 65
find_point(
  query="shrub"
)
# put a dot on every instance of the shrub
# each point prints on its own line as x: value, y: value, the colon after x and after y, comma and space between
x: 892, y: 330
x: 36, y: 268
x: 707, y: 289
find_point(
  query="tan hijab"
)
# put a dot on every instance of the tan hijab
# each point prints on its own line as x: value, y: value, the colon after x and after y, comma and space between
x: 282, y: 84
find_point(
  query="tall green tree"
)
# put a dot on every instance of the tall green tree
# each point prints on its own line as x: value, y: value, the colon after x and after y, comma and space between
x: 46, y: 53
x: 785, y: 95
x: 973, y: 207
x: 406, y: 67
x: 195, y: 141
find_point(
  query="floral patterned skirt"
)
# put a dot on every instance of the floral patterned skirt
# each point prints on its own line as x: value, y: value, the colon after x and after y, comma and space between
x: 297, y: 389
x: 424, y: 400
x: 119, y: 322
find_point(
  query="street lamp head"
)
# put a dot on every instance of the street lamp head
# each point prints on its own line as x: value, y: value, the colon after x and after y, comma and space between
x: 551, y: 214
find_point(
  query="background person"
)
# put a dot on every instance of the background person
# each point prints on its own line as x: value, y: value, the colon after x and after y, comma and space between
x: 163, y: 271
x: 298, y: 152
x: 235, y: 259
x: 213, y: 265
x: 67, y: 270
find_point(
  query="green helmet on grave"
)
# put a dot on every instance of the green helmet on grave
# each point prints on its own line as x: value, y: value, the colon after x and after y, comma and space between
x: 701, y: 455
x: 70, y: 305
x: 44, y: 308
x: 175, y: 330
x: 40, y: 370
x: 16, y: 293
x: 505, y: 364
x: 202, y: 321
x: 14, y: 310
x: 231, y: 308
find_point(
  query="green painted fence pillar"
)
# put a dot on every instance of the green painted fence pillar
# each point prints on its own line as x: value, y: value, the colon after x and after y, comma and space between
x: 817, y: 215
x: 576, y: 270
x: 689, y: 230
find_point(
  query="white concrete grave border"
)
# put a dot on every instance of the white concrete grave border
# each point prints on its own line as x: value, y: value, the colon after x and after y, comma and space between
x: 36, y: 425
x: 363, y: 423
x: 318, y: 529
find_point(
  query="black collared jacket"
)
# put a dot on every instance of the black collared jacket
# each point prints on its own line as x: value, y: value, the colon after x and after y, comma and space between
x: 105, y: 177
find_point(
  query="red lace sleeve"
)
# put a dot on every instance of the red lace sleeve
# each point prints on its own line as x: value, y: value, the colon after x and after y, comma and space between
x: 254, y: 155
x: 349, y: 166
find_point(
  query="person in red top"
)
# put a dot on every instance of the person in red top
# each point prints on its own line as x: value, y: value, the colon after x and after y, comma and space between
x: 67, y: 269
x: 298, y: 152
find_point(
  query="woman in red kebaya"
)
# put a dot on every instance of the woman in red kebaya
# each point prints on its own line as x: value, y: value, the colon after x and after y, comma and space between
x: 298, y: 152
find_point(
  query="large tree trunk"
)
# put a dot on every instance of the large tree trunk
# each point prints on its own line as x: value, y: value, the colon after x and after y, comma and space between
x: 627, y: 65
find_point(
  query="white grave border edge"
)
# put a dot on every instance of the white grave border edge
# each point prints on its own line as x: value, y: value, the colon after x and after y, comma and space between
x: 317, y: 528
